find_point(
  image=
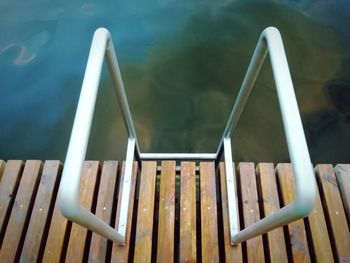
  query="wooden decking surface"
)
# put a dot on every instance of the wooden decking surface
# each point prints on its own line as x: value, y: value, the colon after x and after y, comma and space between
x: 175, y: 215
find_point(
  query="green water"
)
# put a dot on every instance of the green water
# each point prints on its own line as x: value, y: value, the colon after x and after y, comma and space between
x: 182, y: 64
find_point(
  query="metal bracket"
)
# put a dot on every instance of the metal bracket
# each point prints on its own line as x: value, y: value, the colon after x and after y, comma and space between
x: 231, y: 190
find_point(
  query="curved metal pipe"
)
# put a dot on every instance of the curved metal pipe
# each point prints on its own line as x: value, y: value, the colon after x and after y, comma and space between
x: 68, y: 195
x: 271, y: 42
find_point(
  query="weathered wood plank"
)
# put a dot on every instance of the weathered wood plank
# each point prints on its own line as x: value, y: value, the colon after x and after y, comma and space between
x: 232, y: 253
x: 298, y: 240
x: 8, y: 186
x: 209, y: 228
x: 55, y: 237
x: 98, y: 246
x: 188, y: 251
x: 145, y: 214
x: 20, y: 209
x: 334, y: 210
x: 121, y: 253
x: 342, y: 172
x: 48, y: 182
x: 77, y: 239
x: 166, y: 223
x: 2, y: 168
x: 27, y: 232
x: 270, y: 202
x: 319, y: 233
x: 246, y: 171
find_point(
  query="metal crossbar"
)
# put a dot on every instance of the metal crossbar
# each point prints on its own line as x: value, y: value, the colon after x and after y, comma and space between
x: 102, y: 46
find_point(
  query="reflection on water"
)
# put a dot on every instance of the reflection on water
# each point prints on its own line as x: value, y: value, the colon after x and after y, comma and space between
x: 182, y: 65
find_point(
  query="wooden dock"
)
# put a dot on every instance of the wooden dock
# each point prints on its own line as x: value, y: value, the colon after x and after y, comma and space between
x: 176, y: 214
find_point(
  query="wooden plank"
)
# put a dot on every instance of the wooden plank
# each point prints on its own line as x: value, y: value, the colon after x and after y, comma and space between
x: 98, y: 246
x: 319, y: 233
x: 75, y: 250
x: 209, y: 230
x: 269, y: 196
x: 299, y: 246
x: 342, y: 172
x: 48, y: 182
x: 19, y: 212
x: 334, y: 210
x: 145, y: 212
x: 188, y: 252
x: 232, y: 253
x: 8, y: 187
x: 166, y: 223
x: 121, y: 253
x: 246, y: 171
x: 2, y: 168
x: 55, y: 237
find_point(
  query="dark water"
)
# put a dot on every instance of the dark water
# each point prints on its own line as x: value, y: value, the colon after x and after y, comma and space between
x: 182, y: 63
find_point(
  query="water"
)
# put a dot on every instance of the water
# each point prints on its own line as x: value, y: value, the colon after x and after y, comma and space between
x: 182, y: 66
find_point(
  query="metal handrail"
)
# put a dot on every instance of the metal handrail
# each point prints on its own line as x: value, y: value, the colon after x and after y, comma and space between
x: 102, y: 46
x: 271, y: 41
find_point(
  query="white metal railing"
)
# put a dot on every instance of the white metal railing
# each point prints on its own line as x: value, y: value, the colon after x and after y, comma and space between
x: 102, y: 46
x: 271, y: 41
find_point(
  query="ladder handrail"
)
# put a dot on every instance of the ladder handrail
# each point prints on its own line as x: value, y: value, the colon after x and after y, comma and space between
x: 102, y: 46
x: 270, y: 42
